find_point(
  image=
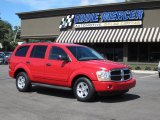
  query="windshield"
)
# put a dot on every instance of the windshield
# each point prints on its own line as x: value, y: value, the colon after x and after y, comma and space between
x: 7, y: 54
x: 82, y: 53
x: 1, y: 56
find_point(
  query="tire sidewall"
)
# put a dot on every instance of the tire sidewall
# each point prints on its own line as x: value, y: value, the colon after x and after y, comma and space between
x: 91, y: 92
x: 27, y: 82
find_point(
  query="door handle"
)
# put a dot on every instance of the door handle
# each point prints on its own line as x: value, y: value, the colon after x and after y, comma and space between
x: 28, y: 62
x: 48, y: 64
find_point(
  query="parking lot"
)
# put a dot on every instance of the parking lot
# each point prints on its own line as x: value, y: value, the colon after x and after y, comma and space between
x: 141, y: 103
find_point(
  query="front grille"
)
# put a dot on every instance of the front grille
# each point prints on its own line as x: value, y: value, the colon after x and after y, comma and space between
x: 120, y: 74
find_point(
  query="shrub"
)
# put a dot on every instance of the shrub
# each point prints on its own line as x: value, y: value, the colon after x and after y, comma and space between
x: 137, y: 68
x: 130, y: 67
x: 155, y: 69
x: 148, y: 68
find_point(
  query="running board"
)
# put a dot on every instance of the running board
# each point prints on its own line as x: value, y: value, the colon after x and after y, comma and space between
x: 52, y: 86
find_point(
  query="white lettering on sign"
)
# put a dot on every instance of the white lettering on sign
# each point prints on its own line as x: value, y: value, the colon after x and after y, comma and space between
x: 109, y: 24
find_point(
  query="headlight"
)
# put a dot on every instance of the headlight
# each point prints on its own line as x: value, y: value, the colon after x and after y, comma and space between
x: 103, y: 75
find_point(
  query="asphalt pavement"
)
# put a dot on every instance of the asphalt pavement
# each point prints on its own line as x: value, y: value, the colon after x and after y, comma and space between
x: 140, y: 103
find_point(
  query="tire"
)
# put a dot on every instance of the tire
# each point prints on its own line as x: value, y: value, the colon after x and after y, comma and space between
x: 84, y: 90
x: 23, y: 83
x: 159, y: 74
x: 6, y: 63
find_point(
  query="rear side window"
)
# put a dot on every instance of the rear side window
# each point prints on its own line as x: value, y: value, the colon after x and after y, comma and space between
x: 38, y: 51
x: 22, y: 51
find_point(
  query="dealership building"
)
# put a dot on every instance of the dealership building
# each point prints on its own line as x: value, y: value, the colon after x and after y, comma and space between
x: 124, y: 32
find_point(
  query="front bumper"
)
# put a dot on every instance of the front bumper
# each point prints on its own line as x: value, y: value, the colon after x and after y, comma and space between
x: 111, y: 86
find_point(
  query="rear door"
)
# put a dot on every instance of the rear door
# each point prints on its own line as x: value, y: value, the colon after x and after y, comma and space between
x: 36, y: 62
x: 57, y: 71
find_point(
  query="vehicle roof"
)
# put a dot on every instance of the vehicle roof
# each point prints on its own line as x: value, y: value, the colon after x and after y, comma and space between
x: 52, y: 43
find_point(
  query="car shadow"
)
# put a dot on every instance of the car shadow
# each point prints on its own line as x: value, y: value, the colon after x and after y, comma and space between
x: 53, y: 92
x: 116, y: 99
x: 69, y: 95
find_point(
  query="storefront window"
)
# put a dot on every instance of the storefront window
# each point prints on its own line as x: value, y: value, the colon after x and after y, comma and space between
x: 118, y: 54
x: 111, y: 51
x: 114, y: 52
x: 137, y: 52
x: 154, y: 55
x: 99, y: 47
x: 132, y: 52
x: 143, y: 52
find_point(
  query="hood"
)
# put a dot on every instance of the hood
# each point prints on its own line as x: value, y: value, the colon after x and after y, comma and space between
x: 103, y: 64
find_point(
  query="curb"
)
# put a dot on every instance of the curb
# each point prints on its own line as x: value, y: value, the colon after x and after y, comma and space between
x: 145, y: 71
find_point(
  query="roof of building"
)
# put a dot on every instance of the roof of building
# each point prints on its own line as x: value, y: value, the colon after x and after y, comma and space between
x: 80, y: 9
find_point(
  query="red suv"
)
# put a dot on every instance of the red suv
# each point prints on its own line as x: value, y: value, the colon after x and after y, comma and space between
x: 68, y: 65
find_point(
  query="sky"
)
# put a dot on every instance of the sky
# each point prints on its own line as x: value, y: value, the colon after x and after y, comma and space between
x: 9, y: 8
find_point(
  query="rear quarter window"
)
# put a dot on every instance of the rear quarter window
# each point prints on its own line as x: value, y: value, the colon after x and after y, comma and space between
x: 22, y: 51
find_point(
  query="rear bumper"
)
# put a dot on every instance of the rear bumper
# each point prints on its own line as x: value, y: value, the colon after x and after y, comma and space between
x: 1, y: 61
x: 11, y: 74
x: 114, y: 86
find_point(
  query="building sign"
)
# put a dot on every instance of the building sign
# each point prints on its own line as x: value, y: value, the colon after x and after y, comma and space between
x: 108, y: 24
x: 66, y: 22
x: 105, y: 19
x: 86, y: 18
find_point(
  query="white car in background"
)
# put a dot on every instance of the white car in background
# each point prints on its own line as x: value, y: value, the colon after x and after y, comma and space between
x: 159, y: 69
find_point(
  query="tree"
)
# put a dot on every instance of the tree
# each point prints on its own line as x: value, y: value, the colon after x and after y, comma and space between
x: 17, y: 33
x: 13, y: 45
x: 6, y: 34
x: 5, y: 31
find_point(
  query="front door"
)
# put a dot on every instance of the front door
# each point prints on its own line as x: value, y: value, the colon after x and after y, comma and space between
x: 57, y: 71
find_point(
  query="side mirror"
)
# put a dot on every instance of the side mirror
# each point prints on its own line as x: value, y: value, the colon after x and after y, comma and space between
x: 64, y: 58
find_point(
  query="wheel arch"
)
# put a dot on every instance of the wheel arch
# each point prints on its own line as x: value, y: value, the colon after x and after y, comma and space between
x: 79, y: 76
x: 22, y: 68
x: 18, y: 71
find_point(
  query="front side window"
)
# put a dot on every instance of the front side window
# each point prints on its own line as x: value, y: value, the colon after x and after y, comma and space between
x: 84, y: 53
x: 55, y: 52
x: 22, y: 51
x: 38, y: 51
